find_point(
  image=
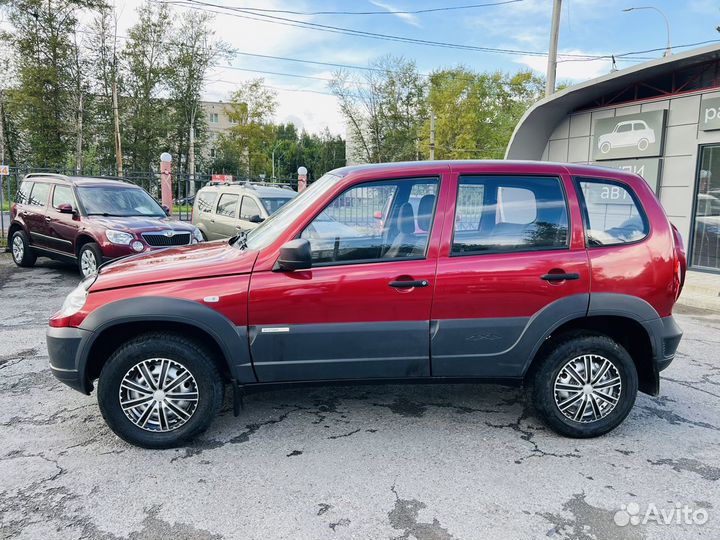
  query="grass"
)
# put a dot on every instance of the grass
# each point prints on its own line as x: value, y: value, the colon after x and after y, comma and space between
x: 186, y: 209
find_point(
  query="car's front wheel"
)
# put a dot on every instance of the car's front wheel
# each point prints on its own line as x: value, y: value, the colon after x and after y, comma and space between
x: 605, y: 147
x: 89, y: 259
x: 160, y: 390
x: 643, y: 144
x: 584, y: 386
x: 22, y: 254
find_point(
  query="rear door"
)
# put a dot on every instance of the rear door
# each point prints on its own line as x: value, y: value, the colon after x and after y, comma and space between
x: 35, y: 215
x: 63, y: 227
x: 363, y: 309
x: 513, y: 266
x: 226, y: 216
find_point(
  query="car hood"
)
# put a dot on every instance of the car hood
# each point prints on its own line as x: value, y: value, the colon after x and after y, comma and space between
x: 139, y: 223
x: 206, y: 259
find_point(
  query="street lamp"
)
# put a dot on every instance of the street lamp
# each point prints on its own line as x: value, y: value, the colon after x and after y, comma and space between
x: 668, y: 49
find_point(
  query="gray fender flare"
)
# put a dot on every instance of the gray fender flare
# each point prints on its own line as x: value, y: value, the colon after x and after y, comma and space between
x: 231, y: 339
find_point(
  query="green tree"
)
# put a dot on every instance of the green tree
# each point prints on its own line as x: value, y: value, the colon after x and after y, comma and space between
x: 251, y: 109
x: 384, y: 109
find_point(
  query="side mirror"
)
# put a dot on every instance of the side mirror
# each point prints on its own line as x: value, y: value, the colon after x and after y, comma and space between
x: 256, y: 219
x: 65, y: 208
x: 166, y: 210
x: 294, y: 255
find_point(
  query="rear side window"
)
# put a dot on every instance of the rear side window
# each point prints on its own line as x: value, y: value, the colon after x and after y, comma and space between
x: 205, y: 201
x: 227, y: 205
x: 249, y: 208
x: 509, y: 214
x: 39, y: 194
x: 23, y: 194
x: 612, y: 214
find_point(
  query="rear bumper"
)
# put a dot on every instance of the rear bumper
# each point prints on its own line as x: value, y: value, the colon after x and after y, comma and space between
x: 63, y: 345
x: 668, y: 343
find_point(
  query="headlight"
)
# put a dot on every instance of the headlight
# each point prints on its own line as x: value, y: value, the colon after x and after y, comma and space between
x: 75, y: 301
x: 118, y: 237
x: 198, y: 235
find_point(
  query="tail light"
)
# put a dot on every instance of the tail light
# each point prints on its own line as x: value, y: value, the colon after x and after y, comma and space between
x: 679, y: 262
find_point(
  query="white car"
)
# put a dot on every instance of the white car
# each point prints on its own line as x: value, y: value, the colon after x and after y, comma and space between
x: 627, y: 133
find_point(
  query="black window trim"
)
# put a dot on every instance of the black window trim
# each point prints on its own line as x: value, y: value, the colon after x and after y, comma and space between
x: 568, y: 240
x: 416, y: 179
x: 586, y: 218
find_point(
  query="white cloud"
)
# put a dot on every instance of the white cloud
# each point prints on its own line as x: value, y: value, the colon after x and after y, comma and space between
x: 409, y: 18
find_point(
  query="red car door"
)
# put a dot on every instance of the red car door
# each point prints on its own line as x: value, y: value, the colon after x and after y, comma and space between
x: 363, y: 309
x: 512, y: 266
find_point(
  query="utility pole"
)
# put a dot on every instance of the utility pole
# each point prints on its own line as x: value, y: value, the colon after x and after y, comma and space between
x: 552, y: 53
x: 191, y: 154
x: 432, y: 135
x: 118, y: 141
x: 2, y: 128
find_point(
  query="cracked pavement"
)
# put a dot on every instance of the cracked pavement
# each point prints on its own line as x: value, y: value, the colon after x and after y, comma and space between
x: 410, y: 461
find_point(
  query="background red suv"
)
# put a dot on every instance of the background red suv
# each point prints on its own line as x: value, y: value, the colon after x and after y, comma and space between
x: 89, y: 221
x: 559, y: 277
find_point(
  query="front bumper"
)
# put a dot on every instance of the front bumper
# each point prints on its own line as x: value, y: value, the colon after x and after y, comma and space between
x: 63, y: 346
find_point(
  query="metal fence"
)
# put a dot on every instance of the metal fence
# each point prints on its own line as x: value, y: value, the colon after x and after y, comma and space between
x: 184, y: 187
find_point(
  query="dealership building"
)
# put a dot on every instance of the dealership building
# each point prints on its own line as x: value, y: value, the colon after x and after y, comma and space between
x: 660, y: 119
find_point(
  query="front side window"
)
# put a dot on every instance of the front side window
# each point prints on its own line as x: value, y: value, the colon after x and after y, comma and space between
x: 612, y: 215
x: 374, y: 221
x: 249, y: 208
x: 118, y: 201
x: 205, y: 201
x: 273, y: 204
x: 509, y: 214
x: 63, y: 195
x: 39, y: 194
x: 227, y: 205
x: 23, y: 194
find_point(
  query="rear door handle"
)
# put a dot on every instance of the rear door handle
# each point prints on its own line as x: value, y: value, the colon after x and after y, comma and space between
x: 560, y: 277
x: 409, y: 284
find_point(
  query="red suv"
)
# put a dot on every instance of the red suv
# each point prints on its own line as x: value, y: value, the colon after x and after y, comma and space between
x: 89, y: 221
x: 561, y: 277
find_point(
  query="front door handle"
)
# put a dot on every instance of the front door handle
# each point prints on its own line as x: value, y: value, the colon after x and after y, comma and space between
x: 409, y: 284
x: 560, y: 277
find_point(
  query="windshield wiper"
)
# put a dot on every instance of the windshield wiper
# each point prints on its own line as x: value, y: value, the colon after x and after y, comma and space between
x: 105, y: 214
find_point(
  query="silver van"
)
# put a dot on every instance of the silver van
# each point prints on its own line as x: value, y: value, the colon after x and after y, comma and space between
x: 222, y: 210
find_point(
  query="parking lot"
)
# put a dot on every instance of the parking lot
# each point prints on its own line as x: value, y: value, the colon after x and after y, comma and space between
x: 424, y: 462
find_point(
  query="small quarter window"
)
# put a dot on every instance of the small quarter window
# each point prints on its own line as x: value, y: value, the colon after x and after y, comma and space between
x: 612, y: 214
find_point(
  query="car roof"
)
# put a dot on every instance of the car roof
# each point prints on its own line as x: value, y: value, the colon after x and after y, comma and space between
x: 80, y: 180
x: 500, y: 166
x: 260, y: 191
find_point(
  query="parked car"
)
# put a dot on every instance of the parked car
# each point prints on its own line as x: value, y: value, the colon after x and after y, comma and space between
x: 522, y: 296
x: 628, y: 133
x: 89, y: 221
x: 223, y: 210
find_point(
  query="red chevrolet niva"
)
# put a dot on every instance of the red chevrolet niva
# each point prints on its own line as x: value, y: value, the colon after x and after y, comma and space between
x: 558, y: 277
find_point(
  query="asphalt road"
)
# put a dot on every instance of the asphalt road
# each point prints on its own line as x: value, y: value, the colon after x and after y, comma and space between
x: 424, y: 462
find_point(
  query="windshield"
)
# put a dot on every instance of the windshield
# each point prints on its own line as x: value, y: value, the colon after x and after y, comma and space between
x: 270, y: 229
x: 119, y: 201
x: 273, y: 204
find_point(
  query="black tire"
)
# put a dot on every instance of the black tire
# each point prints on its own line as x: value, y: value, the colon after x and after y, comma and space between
x: 28, y: 257
x: 87, y: 250
x: 191, y: 356
x: 542, y: 390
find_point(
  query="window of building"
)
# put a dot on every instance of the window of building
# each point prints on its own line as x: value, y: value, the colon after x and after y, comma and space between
x: 214, y: 118
x: 509, y: 213
x: 227, y: 205
x: 705, y: 248
x: 213, y: 153
x: 612, y: 215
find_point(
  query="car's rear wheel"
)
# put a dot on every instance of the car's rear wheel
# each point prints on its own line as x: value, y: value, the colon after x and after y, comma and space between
x: 159, y: 390
x: 584, y: 386
x: 22, y: 254
x: 89, y: 259
x: 643, y: 144
x: 605, y: 147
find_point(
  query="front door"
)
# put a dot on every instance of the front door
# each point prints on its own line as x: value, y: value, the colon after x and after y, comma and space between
x: 513, y: 268
x: 363, y: 309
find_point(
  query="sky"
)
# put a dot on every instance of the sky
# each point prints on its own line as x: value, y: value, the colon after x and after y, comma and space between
x: 588, y: 27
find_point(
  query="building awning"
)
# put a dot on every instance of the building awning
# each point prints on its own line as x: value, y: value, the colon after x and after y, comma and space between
x: 539, y: 121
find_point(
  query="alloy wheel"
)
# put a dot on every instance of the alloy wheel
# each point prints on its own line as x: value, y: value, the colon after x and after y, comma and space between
x: 18, y: 248
x: 158, y: 395
x: 88, y: 263
x: 587, y: 388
